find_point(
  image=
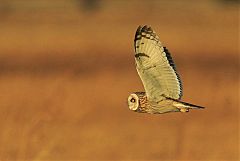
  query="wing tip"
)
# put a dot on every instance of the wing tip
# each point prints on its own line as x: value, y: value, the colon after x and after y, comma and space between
x: 145, y: 29
x: 147, y: 32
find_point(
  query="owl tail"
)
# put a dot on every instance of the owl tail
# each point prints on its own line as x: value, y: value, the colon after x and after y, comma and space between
x: 184, y: 106
x: 191, y: 106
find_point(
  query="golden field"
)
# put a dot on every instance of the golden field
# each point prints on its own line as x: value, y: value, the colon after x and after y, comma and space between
x: 67, y: 68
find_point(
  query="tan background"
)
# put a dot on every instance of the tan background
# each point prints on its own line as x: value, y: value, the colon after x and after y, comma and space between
x: 67, y: 68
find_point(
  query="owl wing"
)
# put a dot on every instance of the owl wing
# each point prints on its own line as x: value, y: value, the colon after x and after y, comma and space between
x: 155, y: 66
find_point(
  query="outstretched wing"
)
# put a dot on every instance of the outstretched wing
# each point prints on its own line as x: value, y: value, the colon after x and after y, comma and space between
x: 155, y: 66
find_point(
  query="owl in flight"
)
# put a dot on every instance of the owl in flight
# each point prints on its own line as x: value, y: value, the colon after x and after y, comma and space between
x: 155, y: 66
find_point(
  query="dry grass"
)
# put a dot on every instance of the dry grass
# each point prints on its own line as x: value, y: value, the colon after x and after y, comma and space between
x: 70, y: 116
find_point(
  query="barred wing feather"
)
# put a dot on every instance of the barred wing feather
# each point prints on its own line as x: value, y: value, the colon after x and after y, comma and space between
x: 155, y: 66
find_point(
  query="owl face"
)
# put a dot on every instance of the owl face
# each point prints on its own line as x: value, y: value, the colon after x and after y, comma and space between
x: 133, y: 102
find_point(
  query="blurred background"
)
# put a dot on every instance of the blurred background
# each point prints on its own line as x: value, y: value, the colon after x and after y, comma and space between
x: 67, y: 68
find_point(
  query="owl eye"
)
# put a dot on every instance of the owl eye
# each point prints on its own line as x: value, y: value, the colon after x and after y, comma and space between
x: 133, y: 100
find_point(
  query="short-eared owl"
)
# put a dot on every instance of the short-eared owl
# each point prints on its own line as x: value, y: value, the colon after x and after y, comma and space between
x: 158, y: 73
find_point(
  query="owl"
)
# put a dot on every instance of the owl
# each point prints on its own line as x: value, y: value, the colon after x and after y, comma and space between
x: 162, y: 84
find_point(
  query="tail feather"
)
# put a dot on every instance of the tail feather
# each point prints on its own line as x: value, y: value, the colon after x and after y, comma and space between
x: 191, y: 105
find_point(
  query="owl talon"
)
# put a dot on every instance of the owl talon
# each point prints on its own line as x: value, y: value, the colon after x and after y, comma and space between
x: 184, y: 110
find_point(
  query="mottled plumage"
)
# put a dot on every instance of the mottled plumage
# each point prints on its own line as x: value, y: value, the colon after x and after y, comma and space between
x: 158, y: 73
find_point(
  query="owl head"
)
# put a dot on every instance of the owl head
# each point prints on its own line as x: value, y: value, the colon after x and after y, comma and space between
x: 133, y: 101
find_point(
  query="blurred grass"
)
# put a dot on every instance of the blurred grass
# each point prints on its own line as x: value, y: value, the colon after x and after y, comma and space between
x: 65, y: 74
